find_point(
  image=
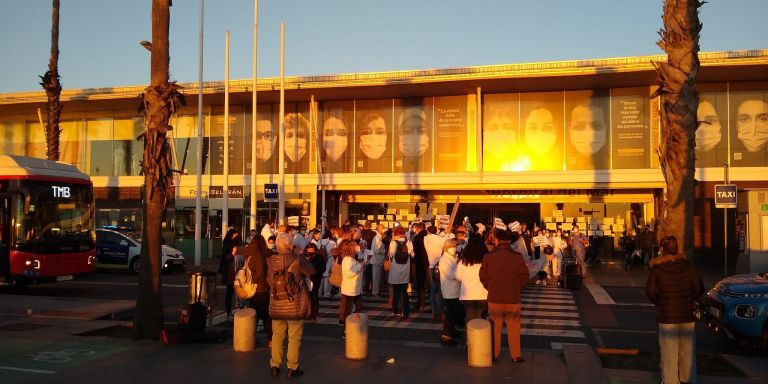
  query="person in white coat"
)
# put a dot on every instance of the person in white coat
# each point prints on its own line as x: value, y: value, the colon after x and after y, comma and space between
x: 399, y: 274
x: 268, y: 230
x: 352, y: 280
x: 473, y: 294
x: 433, y: 244
x: 450, y: 288
x: 377, y: 260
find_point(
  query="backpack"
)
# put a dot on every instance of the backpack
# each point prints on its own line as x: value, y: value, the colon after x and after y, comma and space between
x: 245, y: 285
x: 401, y: 253
x: 322, y: 249
x: 284, y: 285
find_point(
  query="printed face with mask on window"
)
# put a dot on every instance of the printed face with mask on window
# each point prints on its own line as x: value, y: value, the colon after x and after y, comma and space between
x: 334, y: 138
x: 500, y: 140
x: 588, y: 131
x: 265, y: 140
x: 373, y: 136
x: 709, y: 132
x: 296, y: 130
x: 412, y: 132
x: 752, y: 124
x: 540, y: 135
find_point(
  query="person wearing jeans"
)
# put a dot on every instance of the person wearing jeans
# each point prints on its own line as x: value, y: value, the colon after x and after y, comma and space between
x: 673, y: 286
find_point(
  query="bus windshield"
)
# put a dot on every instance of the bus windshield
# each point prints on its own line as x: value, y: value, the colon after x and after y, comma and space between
x: 53, y: 217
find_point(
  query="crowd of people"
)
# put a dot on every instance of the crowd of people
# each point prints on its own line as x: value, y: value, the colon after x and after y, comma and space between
x: 462, y: 272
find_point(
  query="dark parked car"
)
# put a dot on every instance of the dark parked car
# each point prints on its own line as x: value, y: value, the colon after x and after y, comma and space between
x: 737, y: 308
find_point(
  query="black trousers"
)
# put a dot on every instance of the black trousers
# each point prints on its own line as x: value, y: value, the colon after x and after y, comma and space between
x: 453, y: 316
x: 400, y: 293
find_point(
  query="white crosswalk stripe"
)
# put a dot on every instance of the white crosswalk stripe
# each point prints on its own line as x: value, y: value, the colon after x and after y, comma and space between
x: 546, y: 312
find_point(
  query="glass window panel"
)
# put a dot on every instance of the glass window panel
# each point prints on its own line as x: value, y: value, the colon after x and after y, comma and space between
x: 630, y: 128
x: 373, y: 136
x: 542, y: 130
x: 414, y: 135
x: 450, y: 147
x: 587, y: 134
x: 335, y: 127
x: 749, y: 128
x: 501, y: 133
x: 712, y: 133
x: 296, y: 138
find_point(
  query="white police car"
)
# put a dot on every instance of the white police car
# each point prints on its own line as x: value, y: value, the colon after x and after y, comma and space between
x: 116, y: 250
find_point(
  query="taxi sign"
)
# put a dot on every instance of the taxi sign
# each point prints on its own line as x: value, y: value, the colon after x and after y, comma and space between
x: 725, y: 196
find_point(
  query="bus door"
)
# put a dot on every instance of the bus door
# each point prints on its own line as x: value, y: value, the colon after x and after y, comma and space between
x: 5, y: 235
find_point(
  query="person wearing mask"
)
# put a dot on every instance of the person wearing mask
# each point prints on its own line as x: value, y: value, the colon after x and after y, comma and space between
x: 461, y: 238
x: 352, y: 280
x: 379, y: 251
x: 227, y: 267
x: 504, y: 274
x: 450, y: 289
x: 673, y: 286
x: 472, y: 294
x: 433, y: 244
x: 312, y: 255
x: 256, y: 253
x: 328, y: 244
x: 271, y: 243
x: 286, y: 316
x: 251, y: 234
x: 399, y: 273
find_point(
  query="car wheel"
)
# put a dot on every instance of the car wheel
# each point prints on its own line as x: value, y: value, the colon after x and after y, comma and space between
x: 135, y: 266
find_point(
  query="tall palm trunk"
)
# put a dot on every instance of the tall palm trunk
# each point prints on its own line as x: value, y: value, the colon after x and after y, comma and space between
x: 680, y: 40
x: 53, y: 90
x: 159, y: 104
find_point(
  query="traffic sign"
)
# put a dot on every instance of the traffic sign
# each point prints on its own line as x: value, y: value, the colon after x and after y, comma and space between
x: 271, y: 193
x: 726, y: 196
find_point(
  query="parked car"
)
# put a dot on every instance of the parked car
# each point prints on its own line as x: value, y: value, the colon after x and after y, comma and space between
x: 117, y: 250
x: 737, y: 308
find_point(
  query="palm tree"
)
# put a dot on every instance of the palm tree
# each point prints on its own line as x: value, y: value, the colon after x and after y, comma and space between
x: 159, y: 102
x: 53, y: 90
x: 679, y: 100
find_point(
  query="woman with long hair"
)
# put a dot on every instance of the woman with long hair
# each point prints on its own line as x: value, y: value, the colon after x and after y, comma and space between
x: 227, y: 266
x: 472, y: 294
x: 313, y: 256
x: 352, y: 280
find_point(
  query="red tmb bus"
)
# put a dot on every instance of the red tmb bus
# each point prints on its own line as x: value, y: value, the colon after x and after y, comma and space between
x: 46, y: 221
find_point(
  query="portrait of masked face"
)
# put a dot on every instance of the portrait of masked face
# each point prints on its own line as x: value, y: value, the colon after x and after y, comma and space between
x: 709, y: 132
x: 413, y: 132
x: 540, y: 135
x: 334, y: 138
x: 265, y: 140
x: 296, y: 127
x: 752, y: 124
x: 373, y: 137
x: 499, y: 138
x: 588, y: 131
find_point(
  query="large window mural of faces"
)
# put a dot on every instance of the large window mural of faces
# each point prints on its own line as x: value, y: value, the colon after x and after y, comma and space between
x: 749, y: 128
x: 267, y: 148
x: 712, y: 132
x: 450, y: 144
x: 413, y: 135
x: 373, y: 136
x: 336, y: 126
x: 586, y: 129
x: 541, y: 146
x: 500, y: 132
x: 630, y: 110
x: 297, y: 146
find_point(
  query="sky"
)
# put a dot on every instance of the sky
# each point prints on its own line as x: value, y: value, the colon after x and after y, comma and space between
x: 99, y: 39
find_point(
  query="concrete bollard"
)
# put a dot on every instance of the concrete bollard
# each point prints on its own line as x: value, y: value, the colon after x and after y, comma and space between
x: 356, y: 328
x: 244, y: 338
x: 479, y: 352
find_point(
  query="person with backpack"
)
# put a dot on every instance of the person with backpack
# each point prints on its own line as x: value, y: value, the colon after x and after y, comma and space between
x: 400, y: 254
x: 256, y: 254
x: 289, y: 304
x: 352, y: 280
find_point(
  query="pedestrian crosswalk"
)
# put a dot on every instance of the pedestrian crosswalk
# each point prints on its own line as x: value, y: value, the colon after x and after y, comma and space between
x: 546, y: 311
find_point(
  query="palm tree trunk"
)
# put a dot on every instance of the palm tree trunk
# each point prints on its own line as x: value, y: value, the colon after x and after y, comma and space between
x: 677, y: 77
x: 159, y: 100
x: 52, y: 88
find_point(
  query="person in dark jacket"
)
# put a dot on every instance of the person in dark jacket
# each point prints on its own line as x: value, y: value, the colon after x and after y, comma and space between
x: 227, y: 267
x: 287, y: 316
x: 673, y: 286
x: 504, y: 274
x: 420, y: 265
x: 258, y: 251
x: 313, y: 256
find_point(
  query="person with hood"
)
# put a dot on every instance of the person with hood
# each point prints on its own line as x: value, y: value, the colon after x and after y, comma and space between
x: 673, y: 286
x: 288, y: 314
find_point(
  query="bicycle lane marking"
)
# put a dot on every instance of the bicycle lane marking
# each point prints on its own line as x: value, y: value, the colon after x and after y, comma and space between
x: 30, y: 357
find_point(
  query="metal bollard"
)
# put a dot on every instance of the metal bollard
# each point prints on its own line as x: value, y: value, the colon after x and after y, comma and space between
x: 356, y: 328
x: 244, y: 338
x: 479, y: 354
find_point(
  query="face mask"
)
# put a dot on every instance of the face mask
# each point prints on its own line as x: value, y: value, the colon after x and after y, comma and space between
x: 373, y: 146
x: 588, y: 141
x: 295, y: 149
x: 708, y: 136
x: 334, y: 146
x: 752, y: 124
x: 413, y: 145
x: 264, y: 149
